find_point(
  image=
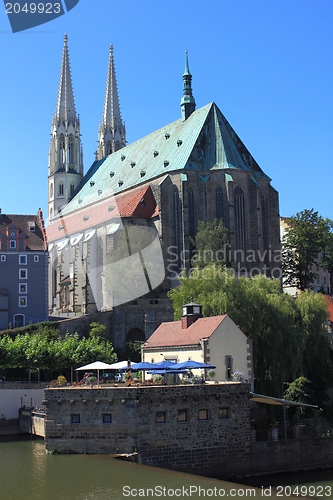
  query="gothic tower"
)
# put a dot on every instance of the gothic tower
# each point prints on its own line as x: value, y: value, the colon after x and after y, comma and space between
x: 65, y: 154
x: 112, y: 133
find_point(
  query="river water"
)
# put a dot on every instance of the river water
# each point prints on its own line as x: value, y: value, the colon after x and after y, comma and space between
x: 28, y: 473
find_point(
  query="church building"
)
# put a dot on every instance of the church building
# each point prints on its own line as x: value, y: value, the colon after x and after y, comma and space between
x: 125, y: 227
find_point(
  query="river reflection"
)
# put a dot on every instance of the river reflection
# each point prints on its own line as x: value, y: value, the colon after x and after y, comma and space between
x: 28, y: 473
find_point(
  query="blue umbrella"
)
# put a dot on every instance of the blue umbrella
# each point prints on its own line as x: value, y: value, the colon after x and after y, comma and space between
x: 162, y: 365
x: 191, y: 365
x: 144, y: 365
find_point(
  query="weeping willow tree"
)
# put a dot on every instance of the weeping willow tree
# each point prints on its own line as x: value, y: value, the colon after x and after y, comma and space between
x: 282, y: 329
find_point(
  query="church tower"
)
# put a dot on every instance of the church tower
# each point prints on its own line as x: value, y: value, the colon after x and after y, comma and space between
x: 65, y: 154
x: 112, y: 133
x: 187, y: 102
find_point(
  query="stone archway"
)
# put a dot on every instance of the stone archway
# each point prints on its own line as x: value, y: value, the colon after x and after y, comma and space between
x: 134, y: 338
x: 135, y: 334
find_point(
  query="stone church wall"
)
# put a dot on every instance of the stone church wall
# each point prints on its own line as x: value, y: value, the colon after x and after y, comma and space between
x: 141, y: 315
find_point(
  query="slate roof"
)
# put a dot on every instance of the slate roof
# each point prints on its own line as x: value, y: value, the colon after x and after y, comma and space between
x: 35, y: 239
x: 172, y: 334
x: 204, y: 142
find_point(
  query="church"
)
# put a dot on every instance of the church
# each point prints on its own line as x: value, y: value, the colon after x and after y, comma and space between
x: 123, y: 229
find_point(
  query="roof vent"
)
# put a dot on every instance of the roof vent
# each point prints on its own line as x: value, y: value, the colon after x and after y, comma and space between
x: 133, y: 164
x: 80, y: 200
x: 155, y: 154
x: 143, y: 173
x: 92, y: 183
x: 86, y: 217
x: 167, y: 135
x: 166, y: 163
x: 120, y: 183
x: 60, y: 227
x: 111, y: 174
x: 179, y: 142
x: 100, y: 191
x: 122, y: 157
x: 110, y: 208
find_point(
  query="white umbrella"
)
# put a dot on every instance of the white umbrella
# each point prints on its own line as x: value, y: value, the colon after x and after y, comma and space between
x: 121, y: 365
x: 97, y: 365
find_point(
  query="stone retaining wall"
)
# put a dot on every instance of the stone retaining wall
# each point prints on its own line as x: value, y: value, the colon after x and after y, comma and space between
x: 215, y: 434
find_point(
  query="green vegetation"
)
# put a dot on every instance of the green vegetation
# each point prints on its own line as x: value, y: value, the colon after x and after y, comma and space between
x: 211, y: 243
x: 290, y: 337
x: 308, y: 240
x: 42, y: 350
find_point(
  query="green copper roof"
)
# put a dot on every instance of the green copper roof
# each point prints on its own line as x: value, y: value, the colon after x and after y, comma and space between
x: 204, y: 142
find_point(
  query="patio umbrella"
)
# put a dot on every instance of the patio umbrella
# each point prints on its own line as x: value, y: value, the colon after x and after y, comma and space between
x: 97, y: 365
x: 121, y: 365
x: 162, y: 365
x: 191, y: 365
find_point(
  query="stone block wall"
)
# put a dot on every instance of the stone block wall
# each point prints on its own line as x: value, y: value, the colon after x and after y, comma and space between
x: 193, y: 428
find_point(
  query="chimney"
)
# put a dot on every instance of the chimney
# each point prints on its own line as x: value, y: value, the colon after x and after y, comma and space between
x: 191, y: 312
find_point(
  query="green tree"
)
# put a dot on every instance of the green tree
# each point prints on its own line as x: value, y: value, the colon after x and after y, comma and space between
x: 211, y: 243
x: 327, y: 257
x: 282, y: 329
x: 304, y: 239
x: 96, y: 330
x: 299, y: 390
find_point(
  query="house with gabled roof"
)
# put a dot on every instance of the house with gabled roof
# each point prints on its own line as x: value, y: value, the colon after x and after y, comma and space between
x: 23, y: 270
x: 215, y: 340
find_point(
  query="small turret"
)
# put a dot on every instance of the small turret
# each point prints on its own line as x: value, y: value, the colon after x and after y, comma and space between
x: 191, y: 312
x: 187, y: 102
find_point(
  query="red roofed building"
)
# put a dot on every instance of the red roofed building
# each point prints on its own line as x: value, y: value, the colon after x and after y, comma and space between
x: 216, y: 340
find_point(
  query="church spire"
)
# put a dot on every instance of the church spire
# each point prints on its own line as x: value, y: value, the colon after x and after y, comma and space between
x: 65, y: 104
x: 65, y: 169
x: 112, y: 133
x: 187, y: 102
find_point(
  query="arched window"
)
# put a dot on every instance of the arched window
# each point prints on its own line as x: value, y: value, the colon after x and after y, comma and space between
x: 72, y: 189
x: 191, y: 214
x: 62, y: 149
x: 19, y: 320
x: 51, y: 213
x: 117, y: 146
x: 51, y: 190
x: 108, y: 149
x: 264, y: 227
x: 219, y: 203
x: 176, y: 226
x: 70, y: 149
x: 61, y: 189
x: 240, y: 225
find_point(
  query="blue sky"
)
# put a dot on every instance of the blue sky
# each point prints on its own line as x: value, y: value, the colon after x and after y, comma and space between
x: 268, y: 65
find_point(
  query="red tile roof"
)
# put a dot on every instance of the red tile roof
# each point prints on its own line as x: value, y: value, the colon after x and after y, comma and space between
x: 172, y: 334
x: 137, y: 203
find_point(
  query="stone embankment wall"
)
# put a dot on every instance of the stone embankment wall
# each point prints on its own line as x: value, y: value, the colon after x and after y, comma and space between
x: 292, y: 455
x: 203, y: 429
x: 194, y: 428
x: 31, y: 422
